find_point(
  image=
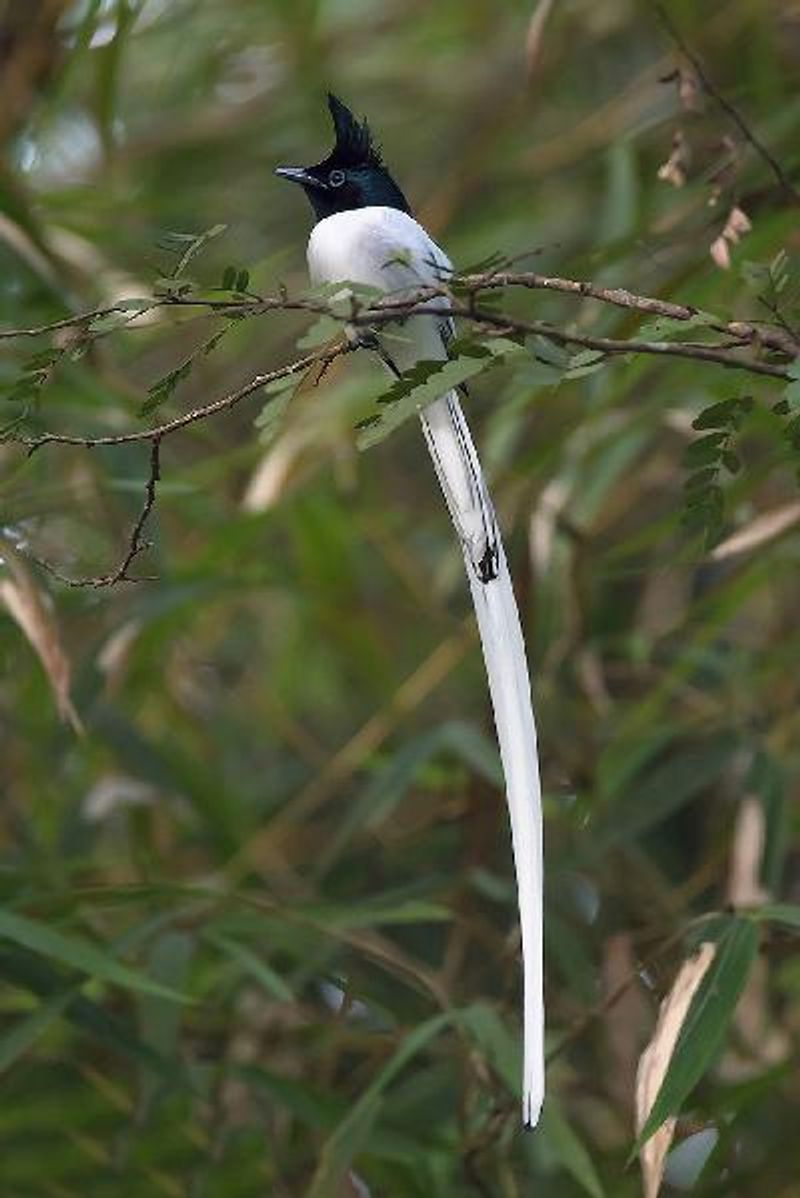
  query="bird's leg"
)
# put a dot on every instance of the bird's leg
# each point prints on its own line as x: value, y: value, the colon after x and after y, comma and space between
x: 365, y: 338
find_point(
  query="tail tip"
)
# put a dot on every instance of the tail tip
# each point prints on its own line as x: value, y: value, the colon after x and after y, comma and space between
x: 531, y: 1109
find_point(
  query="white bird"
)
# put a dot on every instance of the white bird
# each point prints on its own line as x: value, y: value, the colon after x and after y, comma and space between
x: 365, y: 235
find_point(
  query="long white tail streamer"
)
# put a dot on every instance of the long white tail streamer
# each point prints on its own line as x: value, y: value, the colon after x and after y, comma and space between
x: 460, y: 476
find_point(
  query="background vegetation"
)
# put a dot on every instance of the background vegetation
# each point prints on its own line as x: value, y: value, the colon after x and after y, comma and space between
x: 257, y: 929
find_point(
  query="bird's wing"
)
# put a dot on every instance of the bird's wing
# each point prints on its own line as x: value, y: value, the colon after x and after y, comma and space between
x: 388, y: 249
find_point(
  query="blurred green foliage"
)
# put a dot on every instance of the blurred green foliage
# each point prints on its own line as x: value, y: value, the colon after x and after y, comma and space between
x: 257, y: 926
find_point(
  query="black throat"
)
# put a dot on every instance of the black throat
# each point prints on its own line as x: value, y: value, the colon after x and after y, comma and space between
x: 363, y: 188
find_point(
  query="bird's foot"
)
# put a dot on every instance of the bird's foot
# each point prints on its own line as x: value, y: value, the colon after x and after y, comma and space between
x: 361, y: 338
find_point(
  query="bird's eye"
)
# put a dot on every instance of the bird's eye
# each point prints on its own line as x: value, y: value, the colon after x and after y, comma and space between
x: 336, y: 178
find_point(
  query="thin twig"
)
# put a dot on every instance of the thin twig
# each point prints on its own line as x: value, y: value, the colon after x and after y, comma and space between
x: 67, y: 322
x: 136, y: 542
x: 192, y: 417
x: 730, y: 109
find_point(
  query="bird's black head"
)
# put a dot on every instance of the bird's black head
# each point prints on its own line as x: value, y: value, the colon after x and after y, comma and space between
x: 353, y: 174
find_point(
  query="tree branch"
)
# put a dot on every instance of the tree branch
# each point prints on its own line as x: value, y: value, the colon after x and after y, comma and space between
x: 457, y: 298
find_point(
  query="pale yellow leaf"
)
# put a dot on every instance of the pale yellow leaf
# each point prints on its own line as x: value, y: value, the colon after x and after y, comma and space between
x: 113, y: 658
x: 690, y: 94
x: 747, y: 851
x: 674, y: 169
x: 737, y: 225
x: 720, y: 253
x: 763, y: 528
x: 533, y: 40
x: 655, y: 1059
x: 30, y: 607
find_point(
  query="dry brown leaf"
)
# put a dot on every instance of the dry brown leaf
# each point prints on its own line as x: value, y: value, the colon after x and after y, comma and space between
x: 690, y: 93
x: 31, y: 609
x: 720, y: 253
x: 355, y: 1187
x: 271, y: 476
x: 674, y: 169
x: 655, y: 1059
x: 542, y: 530
x: 533, y: 40
x: 763, y: 528
x: 23, y: 245
x: 589, y: 669
x: 113, y: 658
x: 765, y: 1042
x: 737, y: 224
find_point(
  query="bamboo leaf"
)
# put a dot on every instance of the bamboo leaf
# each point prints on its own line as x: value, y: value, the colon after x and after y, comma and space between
x: 79, y: 954
x: 23, y: 1035
x: 351, y: 1133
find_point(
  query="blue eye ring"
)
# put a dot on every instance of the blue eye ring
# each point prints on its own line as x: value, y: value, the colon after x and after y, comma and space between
x: 336, y: 178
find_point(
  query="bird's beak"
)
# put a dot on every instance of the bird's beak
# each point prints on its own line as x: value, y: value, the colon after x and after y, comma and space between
x: 299, y: 174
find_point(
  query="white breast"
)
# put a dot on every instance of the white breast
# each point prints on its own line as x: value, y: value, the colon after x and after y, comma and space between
x: 376, y: 246
x: 384, y: 248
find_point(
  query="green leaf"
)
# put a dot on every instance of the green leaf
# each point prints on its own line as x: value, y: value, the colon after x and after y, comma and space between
x: 229, y: 278
x: 243, y: 280
x: 271, y: 981
x: 501, y: 1049
x: 79, y: 954
x: 343, y: 1146
x: 705, y: 450
x: 766, y: 779
x: 22, y: 1035
x: 700, y: 479
x: 665, y: 327
x: 315, y: 1108
x: 136, y: 304
x: 706, y: 1022
x: 159, y: 1020
x: 428, y: 381
x: 351, y: 1133
x: 376, y: 914
x: 791, y: 392
x: 588, y: 361
x: 378, y: 799
x: 193, y: 243
x: 569, y: 1150
x: 31, y: 972
x: 161, y: 390
x: 268, y: 419
x: 320, y: 332
x: 787, y: 914
x: 720, y: 415
x: 651, y: 799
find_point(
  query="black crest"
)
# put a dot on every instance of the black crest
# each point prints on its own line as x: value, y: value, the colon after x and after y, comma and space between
x: 354, y: 144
